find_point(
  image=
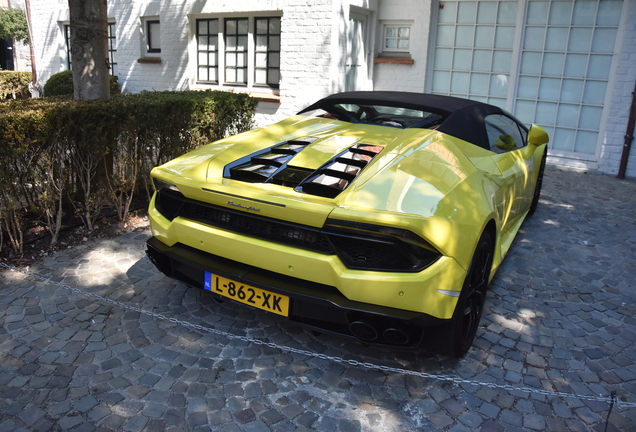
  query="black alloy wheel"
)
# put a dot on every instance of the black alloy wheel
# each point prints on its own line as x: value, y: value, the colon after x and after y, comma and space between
x: 537, y: 187
x: 460, y: 331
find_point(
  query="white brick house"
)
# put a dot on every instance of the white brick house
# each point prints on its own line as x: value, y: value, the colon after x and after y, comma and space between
x: 568, y: 65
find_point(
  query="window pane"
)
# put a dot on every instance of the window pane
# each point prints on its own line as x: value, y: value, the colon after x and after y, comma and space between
x: 242, y: 43
x: 203, y: 27
x: 594, y: 92
x: 575, y: 65
x: 461, y: 59
x: 391, y: 43
x: 240, y: 76
x: 466, y: 12
x: 441, y: 81
x: 242, y: 26
x: 274, y: 60
x: 213, y: 27
x: 230, y: 75
x: 230, y: 27
x: 556, y: 39
x: 525, y: 111
x: 486, y: 12
x: 537, y: 13
x: 203, y: 58
x: 261, y: 26
x: 531, y: 63
x: 590, y: 117
x: 203, y: 73
x: 549, y: 88
x: 599, y: 66
x: 479, y: 83
x: 482, y: 60
x: 563, y: 139
x: 568, y: 115
x: 260, y: 76
x: 274, y: 43
x: 552, y: 64
x: 261, y: 60
x: 448, y: 13
x: 273, y: 76
x: 560, y: 13
x: 586, y: 142
x: 603, y: 41
x: 499, y: 85
x: 403, y: 43
x: 609, y: 13
x: 505, y: 37
x: 484, y: 36
x: 445, y: 35
x: 230, y: 59
x: 403, y: 32
x: 501, y: 61
x: 580, y: 39
x: 443, y: 57
x: 203, y: 43
x: 507, y: 13
x: 240, y: 60
x: 212, y: 75
x: 464, y: 36
x: 571, y: 90
x: 584, y: 12
x: 261, y: 43
x: 546, y: 113
x: 230, y: 43
x: 213, y: 43
x: 459, y: 82
x: 534, y: 38
x: 274, y: 26
x: 528, y: 87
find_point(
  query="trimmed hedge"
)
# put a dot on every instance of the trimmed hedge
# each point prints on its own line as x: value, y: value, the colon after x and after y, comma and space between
x: 88, y: 155
x: 61, y: 84
x: 14, y: 85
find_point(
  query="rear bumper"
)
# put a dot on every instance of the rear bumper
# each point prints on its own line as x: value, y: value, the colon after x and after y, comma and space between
x: 314, y: 305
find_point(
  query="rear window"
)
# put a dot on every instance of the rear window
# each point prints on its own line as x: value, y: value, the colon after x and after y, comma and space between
x: 380, y: 115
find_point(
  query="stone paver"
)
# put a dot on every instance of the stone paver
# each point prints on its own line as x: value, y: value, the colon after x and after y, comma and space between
x: 560, y: 316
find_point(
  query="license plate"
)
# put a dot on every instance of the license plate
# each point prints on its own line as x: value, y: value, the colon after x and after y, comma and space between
x: 255, y: 297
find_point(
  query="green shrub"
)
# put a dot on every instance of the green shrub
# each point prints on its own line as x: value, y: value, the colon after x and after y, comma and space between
x: 14, y: 85
x: 52, y: 149
x: 61, y: 84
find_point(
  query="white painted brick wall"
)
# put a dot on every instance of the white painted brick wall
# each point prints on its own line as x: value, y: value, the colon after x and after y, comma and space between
x: 624, y: 81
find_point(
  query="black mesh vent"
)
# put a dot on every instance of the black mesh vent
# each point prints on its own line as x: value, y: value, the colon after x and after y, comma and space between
x: 337, y: 174
x: 270, y: 165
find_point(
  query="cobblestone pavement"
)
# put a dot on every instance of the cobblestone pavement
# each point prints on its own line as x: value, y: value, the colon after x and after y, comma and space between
x: 560, y: 317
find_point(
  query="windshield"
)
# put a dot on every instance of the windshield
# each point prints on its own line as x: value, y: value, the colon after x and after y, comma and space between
x: 379, y: 114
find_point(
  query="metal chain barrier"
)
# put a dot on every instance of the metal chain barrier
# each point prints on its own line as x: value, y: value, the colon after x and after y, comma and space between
x: 613, y: 401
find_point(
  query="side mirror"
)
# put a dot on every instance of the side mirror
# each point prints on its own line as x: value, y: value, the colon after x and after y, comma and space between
x: 537, y: 136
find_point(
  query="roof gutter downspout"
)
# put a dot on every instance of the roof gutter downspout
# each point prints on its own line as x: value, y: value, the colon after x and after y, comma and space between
x: 629, y: 137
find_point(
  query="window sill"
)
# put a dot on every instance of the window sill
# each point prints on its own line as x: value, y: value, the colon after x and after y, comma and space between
x: 153, y: 60
x: 393, y: 60
x: 260, y: 95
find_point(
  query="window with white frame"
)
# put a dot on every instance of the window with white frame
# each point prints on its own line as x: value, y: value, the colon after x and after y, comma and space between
x: 396, y: 38
x: 239, y: 51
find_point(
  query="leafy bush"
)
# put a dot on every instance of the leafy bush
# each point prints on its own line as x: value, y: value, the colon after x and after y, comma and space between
x: 14, y: 85
x: 52, y: 151
x: 61, y: 84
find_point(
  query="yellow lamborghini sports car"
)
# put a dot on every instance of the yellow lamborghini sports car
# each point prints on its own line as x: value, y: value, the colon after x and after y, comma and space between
x: 377, y: 215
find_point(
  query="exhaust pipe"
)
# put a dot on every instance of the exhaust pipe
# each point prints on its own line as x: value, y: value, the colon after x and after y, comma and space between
x: 363, y: 331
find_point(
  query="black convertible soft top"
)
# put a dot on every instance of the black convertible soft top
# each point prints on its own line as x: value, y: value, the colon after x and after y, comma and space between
x: 462, y: 118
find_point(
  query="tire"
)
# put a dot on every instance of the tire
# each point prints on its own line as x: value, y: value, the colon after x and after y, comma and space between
x: 460, y: 332
x: 537, y: 187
